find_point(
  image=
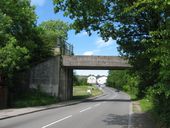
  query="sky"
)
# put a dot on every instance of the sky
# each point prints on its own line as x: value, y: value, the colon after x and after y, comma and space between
x: 82, y: 43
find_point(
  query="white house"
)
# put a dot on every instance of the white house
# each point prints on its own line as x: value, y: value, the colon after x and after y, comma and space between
x: 91, y: 79
x: 102, y: 80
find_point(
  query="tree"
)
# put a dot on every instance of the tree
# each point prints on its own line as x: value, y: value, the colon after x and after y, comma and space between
x: 53, y: 30
x: 16, y: 28
x: 57, y: 28
x: 124, y: 80
x: 117, y: 78
x: 129, y: 22
x: 21, y: 43
x: 13, y: 57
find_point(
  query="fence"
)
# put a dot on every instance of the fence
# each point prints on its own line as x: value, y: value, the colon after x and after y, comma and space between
x: 65, y: 48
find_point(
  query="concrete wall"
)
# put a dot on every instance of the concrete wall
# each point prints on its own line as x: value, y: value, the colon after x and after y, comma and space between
x: 66, y: 83
x: 46, y: 76
x: 95, y: 62
x: 52, y: 78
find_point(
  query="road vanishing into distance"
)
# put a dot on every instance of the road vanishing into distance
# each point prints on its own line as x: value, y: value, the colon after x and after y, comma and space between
x: 112, y: 110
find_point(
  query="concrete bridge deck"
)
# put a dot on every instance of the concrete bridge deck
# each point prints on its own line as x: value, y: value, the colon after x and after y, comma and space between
x: 95, y: 62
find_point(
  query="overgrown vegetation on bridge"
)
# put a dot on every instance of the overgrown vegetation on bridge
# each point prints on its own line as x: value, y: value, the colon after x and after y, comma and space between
x: 23, y: 43
x: 142, y: 30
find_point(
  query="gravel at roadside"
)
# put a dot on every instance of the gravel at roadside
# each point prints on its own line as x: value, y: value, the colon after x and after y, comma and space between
x: 141, y: 119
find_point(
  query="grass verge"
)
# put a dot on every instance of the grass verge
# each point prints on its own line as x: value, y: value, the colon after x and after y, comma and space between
x: 80, y: 92
x: 34, y: 98
x: 146, y: 105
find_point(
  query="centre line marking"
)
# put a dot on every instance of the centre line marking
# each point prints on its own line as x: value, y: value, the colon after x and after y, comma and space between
x: 56, y: 121
x: 86, y: 109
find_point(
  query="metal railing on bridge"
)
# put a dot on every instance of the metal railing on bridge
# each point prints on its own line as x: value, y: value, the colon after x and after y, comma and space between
x: 63, y: 48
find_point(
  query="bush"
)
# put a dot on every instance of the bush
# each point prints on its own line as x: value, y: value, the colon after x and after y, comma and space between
x: 117, y: 78
x: 131, y: 86
x: 125, y: 81
x: 160, y: 98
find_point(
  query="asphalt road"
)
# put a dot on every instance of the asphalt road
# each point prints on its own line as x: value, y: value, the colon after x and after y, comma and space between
x: 109, y: 111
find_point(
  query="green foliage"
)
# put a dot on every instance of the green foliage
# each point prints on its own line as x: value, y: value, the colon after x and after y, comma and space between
x: 146, y: 105
x: 117, y: 78
x: 160, y: 98
x: 55, y: 29
x: 17, y: 23
x: 132, y: 86
x: 12, y: 57
x: 49, y: 32
x: 123, y: 80
x: 79, y: 81
x: 82, y: 82
x: 75, y: 80
x: 34, y: 98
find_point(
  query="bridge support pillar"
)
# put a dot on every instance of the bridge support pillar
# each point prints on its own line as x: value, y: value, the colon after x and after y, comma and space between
x: 66, y: 83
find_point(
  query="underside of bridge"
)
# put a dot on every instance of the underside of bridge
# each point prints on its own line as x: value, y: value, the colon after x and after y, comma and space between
x: 68, y: 63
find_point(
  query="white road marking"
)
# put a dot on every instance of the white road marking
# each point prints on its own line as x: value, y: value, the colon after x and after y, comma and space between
x: 86, y: 109
x: 97, y: 105
x: 130, y: 115
x: 56, y: 121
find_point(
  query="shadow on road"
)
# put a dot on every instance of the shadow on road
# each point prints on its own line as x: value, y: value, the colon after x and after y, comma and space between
x: 139, y: 120
x: 108, y: 100
x: 120, y: 120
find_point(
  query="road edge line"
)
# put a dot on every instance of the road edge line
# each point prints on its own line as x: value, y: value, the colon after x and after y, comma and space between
x: 130, y: 115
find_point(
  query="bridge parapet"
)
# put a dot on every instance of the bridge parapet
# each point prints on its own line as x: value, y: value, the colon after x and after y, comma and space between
x: 95, y: 62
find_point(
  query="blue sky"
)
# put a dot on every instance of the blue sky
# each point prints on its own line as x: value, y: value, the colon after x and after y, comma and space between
x: 82, y: 43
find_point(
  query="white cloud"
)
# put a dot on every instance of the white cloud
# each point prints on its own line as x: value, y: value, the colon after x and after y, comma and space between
x: 84, y: 33
x: 88, y: 53
x: 38, y: 2
x: 92, y: 52
x: 101, y: 43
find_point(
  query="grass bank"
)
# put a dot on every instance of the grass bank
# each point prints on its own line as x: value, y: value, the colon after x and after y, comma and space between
x: 146, y: 105
x: 80, y: 92
x: 37, y: 98
x: 34, y: 98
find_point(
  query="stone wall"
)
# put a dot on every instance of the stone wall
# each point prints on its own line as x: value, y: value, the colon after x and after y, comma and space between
x: 45, y: 76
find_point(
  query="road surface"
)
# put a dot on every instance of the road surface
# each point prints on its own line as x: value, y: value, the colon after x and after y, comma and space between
x: 109, y: 111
